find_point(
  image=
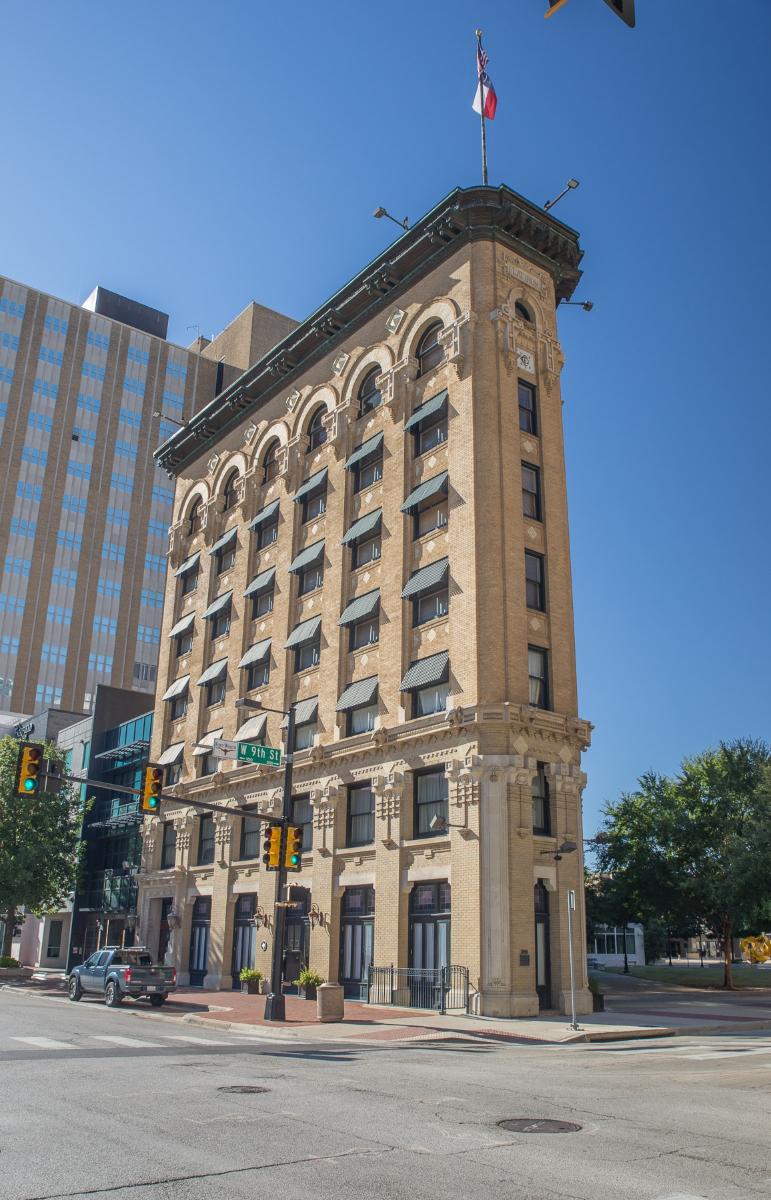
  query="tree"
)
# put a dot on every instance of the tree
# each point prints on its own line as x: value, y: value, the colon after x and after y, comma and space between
x: 697, y: 848
x: 39, y: 840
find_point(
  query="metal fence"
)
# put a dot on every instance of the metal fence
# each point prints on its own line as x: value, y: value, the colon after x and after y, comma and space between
x: 442, y: 988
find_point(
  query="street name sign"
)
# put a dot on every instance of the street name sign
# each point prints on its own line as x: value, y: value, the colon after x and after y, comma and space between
x: 222, y: 748
x: 248, y: 752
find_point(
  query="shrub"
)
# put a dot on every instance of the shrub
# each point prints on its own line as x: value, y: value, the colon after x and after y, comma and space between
x: 7, y: 961
x: 247, y: 974
x: 309, y: 978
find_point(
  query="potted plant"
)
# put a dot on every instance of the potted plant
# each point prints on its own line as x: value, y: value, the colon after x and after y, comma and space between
x: 307, y: 982
x: 598, y: 1000
x: 250, y: 980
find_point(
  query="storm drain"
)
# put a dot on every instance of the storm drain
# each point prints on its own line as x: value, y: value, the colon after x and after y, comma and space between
x: 243, y: 1089
x: 537, y: 1125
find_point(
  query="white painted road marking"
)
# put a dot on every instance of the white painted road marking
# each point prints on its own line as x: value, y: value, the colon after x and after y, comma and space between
x: 132, y: 1043
x: 197, y: 1041
x: 44, y: 1043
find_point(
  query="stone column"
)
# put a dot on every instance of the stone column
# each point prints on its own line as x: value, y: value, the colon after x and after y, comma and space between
x: 524, y: 998
x: 324, y: 932
x: 390, y: 939
x: 494, y: 909
x: 221, y: 930
x: 184, y: 824
x: 566, y: 784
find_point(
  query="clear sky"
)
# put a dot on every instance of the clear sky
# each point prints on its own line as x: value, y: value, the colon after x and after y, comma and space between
x: 197, y: 156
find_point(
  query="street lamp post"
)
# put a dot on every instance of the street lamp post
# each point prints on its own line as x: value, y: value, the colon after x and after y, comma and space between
x: 275, y: 1007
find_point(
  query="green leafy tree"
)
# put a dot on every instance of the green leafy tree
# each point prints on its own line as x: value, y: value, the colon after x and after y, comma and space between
x: 39, y: 840
x: 696, y: 850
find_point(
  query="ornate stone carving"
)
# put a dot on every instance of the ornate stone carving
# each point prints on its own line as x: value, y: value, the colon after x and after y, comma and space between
x: 223, y: 829
x: 454, y: 338
x: 293, y: 400
x: 340, y: 363
x: 183, y: 827
x: 393, y: 385
x: 323, y: 802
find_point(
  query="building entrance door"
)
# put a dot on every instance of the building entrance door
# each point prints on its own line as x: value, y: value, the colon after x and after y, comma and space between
x: 542, y: 955
x: 199, y: 941
x: 244, y: 936
x: 356, y: 940
x: 296, y: 935
x: 164, y: 932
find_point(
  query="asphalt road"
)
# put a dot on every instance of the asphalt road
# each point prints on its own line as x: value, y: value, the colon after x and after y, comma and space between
x: 108, y: 1104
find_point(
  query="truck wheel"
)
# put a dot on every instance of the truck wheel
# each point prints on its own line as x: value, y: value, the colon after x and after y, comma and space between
x: 74, y: 990
x: 112, y: 996
x: 157, y: 1001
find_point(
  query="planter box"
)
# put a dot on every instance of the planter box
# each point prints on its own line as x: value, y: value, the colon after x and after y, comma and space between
x: 15, y: 973
x: 252, y: 987
x: 308, y: 992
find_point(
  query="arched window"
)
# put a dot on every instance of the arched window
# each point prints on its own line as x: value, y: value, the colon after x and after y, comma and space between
x: 270, y: 462
x: 317, y: 434
x: 231, y: 490
x: 522, y: 312
x: 195, y: 518
x: 369, y: 395
x: 430, y: 351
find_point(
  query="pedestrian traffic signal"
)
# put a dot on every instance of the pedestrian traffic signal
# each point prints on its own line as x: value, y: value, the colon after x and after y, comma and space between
x: 271, y: 846
x: 152, y: 787
x: 293, y: 855
x: 28, y: 767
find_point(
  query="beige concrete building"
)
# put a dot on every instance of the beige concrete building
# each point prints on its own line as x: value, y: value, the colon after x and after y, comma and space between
x: 84, y: 510
x: 371, y: 524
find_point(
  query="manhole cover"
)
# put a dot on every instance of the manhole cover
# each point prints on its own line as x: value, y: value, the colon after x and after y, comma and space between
x: 537, y: 1125
x: 243, y: 1089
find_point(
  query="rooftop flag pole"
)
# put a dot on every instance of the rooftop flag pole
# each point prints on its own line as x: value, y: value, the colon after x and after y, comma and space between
x: 485, y: 99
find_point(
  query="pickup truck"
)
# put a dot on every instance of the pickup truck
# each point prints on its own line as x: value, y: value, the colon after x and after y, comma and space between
x: 116, y: 972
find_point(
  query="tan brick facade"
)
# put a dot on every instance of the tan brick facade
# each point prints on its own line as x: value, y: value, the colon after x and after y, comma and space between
x: 488, y: 740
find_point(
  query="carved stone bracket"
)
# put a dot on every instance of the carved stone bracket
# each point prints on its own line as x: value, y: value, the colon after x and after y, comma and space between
x: 334, y: 422
x: 269, y: 804
x: 394, y: 384
x: 223, y: 829
x: 149, y: 836
x: 324, y: 800
x: 388, y: 788
x: 183, y: 828
x: 455, y: 338
x: 552, y: 360
x: 463, y: 777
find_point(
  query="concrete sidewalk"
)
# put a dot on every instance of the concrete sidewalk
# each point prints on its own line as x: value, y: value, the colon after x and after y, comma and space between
x: 633, y: 1012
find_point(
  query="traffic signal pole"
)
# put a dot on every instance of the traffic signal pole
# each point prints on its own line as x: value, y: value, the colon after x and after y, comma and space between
x: 275, y: 1008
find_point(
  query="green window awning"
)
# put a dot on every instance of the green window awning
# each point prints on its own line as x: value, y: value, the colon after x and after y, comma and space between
x: 303, y: 633
x: 426, y: 410
x: 172, y: 754
x: 307, y: 557
x: 182, y: 625
x: 365, y: 450
x: 426, y: 579
x: 225, y: 540
x: 364, y: 525
x: 189, y: 563
x: 427, y: 671
x: 305, y: 711
x: 424, y: 491
x: 261, y: 582
x: 314, y: 484
x: 177, y: 688
x: 360, y: 607
x: 214, y: 672
x: 256, y: 653
x: 252, y: 730
x: 207, y: 741
x: 218, y: 605
x: 265, y: 514
x: 356, y: 695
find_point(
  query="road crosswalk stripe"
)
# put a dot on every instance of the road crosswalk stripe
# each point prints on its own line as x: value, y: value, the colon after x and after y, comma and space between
x: 44, y: 1043
x: 132, y: 1043
x: 197, y: 1041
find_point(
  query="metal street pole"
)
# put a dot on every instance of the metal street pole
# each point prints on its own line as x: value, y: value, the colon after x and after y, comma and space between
x: 275, y: 1007
x: 571, y: 909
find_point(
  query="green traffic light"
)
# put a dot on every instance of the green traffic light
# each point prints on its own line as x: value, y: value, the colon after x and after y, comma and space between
x: 30, y: 785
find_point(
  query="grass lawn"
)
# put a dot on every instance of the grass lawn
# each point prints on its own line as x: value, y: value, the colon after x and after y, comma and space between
x: 696, y: 976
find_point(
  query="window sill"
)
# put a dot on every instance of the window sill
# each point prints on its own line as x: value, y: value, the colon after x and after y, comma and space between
x: 424, y: 454
x: 431, y: 623
x: 436, y: 840
x: 432, y: 535
x: 313, y: 592
x: 305, y: 671
x: 364, y: 649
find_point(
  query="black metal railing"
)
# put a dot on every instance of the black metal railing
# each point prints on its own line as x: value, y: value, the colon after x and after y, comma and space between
x: 442, y: 988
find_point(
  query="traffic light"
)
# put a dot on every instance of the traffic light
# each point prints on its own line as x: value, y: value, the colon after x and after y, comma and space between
x: 622, y: 8
x: 28, y: 767
x: 271, y: 846
x: 152, y: 786
x: 293, y: 855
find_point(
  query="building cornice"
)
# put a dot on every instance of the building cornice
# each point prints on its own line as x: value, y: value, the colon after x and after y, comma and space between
x: 465, y: 215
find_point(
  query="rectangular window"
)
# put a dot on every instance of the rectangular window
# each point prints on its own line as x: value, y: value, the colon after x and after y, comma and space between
x: 365, y: 633
x: 178, y: 707
x: 302, y: 815
x: 169, y: 850
x: 258, y: 675
x: 54, y: 947
x: 431, y: 606
x: 361, y: 720
x: 30, y: 491
x: 262, y: 604
x: 431, y: 699
x: 314, y: 505
x: 221, y: 623
x: 431, y: 515
x: 531, y: 491
x: 250, y: 837
x: 361, y: 815
x: 366, y: 551
x: 184, y: 644
x: 308, y: 655
x: 538, y: 673
x: 431, y: 800
x: 431, y: 432
x: 173, y: 774
x: 188, y: 582
x: 535, y: 590
x: 267, y: 534
x: 528, y: 417
x: 368, y: 472
x: 304, y: 735
x: 215, y: 692
x: 541, y: 815
x: 205, y: 839
x: 311, y: 578
x: 224, y: 558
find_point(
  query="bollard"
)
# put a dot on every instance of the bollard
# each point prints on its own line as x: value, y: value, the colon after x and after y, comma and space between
x: 329, y: 1002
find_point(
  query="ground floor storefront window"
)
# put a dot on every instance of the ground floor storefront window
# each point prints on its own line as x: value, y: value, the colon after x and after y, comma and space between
x: 356, y: 940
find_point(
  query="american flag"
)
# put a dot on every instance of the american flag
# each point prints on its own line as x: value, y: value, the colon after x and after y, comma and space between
x: 485, y: 99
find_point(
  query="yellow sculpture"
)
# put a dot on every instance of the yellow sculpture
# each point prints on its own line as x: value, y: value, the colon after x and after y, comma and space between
x: 757, y: 949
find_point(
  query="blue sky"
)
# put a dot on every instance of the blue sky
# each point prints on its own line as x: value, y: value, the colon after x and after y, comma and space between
x: 199, y: 156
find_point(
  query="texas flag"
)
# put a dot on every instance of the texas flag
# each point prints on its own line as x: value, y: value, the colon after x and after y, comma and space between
x: 485, y: 99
